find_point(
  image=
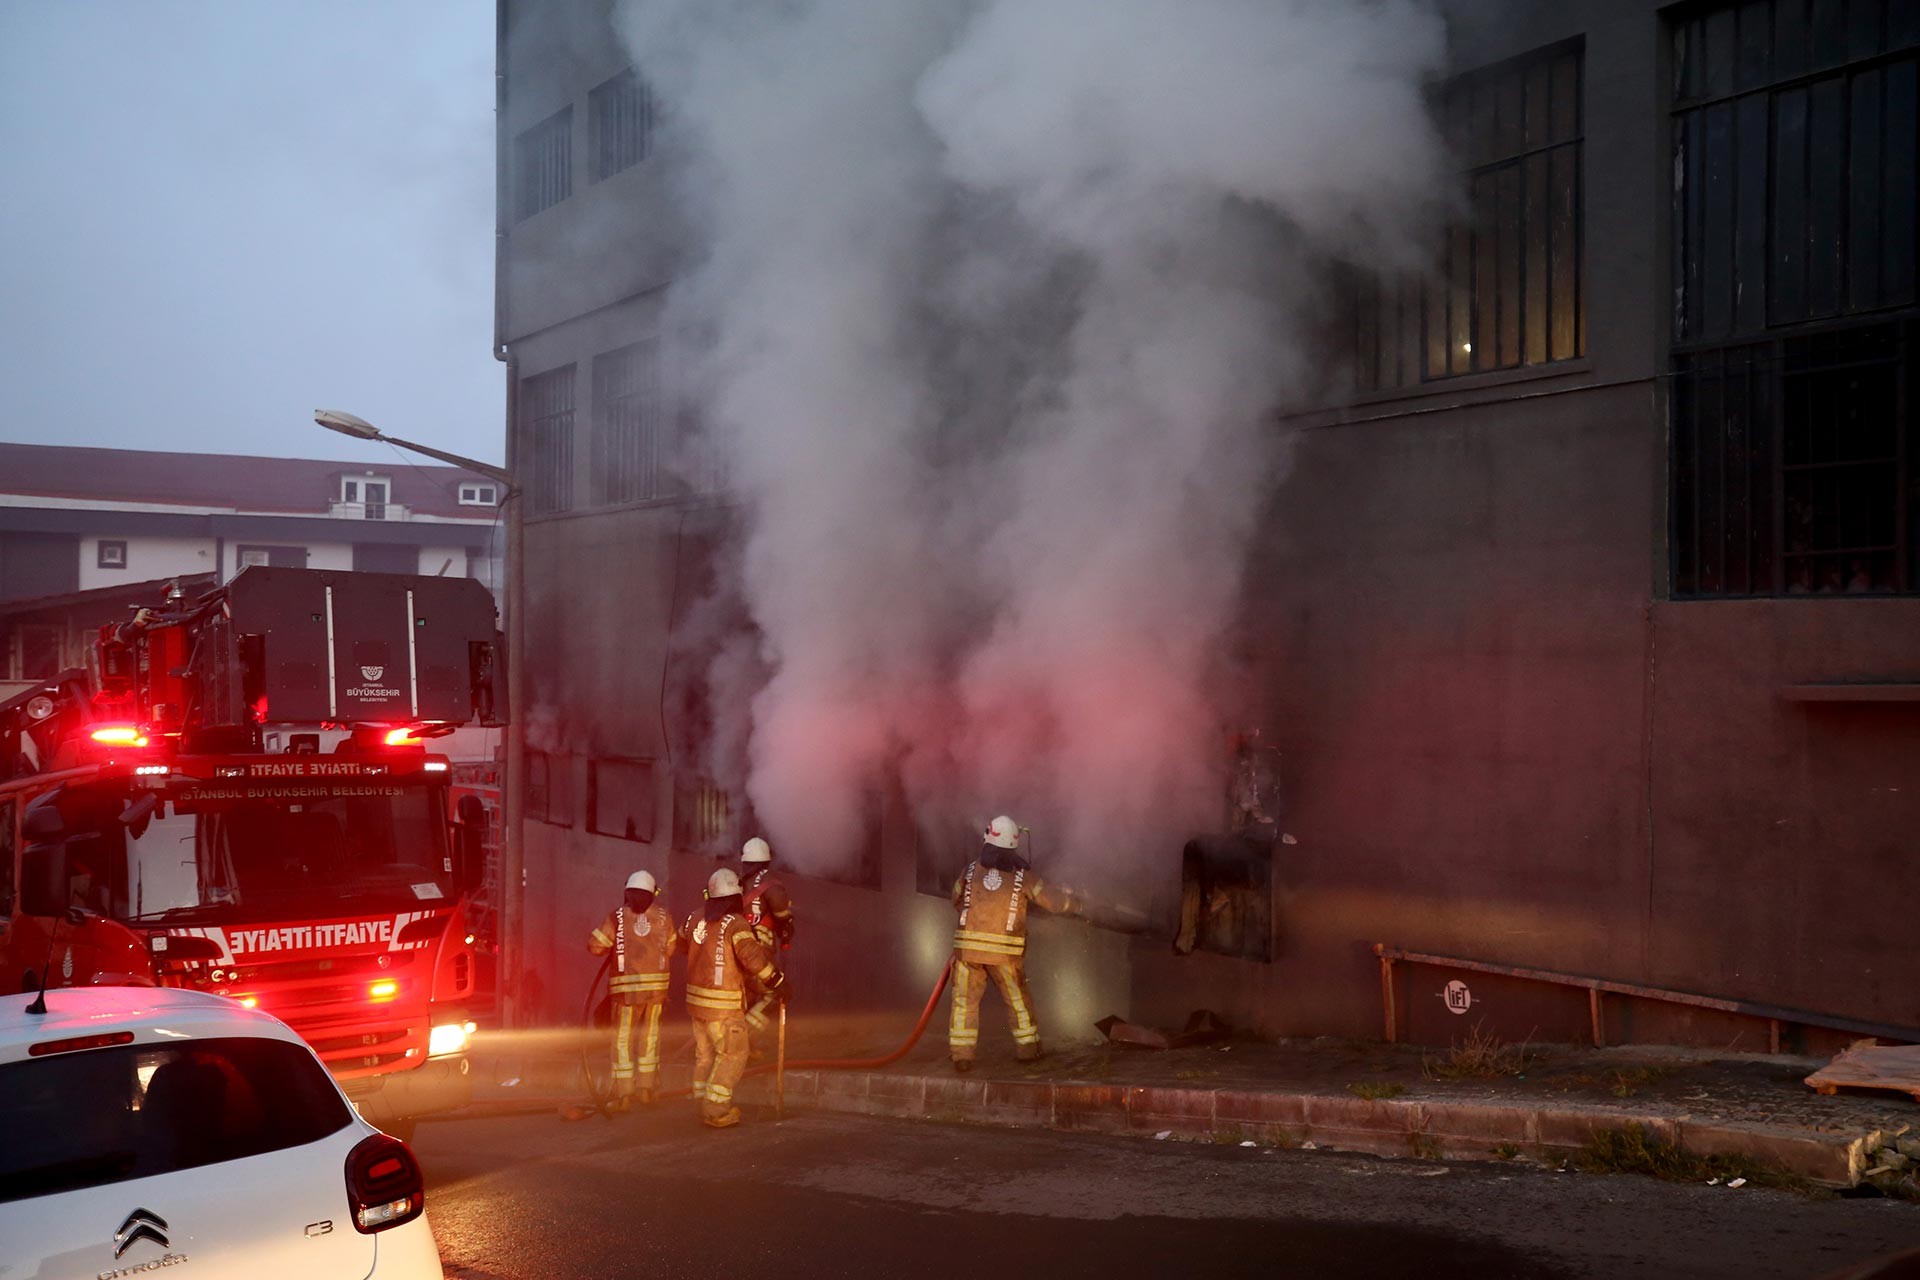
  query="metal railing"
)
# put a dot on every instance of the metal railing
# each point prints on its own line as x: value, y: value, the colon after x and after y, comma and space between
x: 1776, y: 1015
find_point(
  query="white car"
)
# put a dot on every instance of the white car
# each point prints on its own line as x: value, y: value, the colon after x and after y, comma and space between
x: 146, y: 1131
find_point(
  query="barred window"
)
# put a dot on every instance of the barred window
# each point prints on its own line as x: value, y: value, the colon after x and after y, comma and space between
x: 627, y: 419
x: 546, y: 440
x: 543, y: 165
x: 706, y: 817
x: 619, y: 124
x: 1793, y: 465
x: 1507, y: 289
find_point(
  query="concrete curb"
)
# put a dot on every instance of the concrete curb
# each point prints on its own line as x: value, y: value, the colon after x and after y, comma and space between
x: 1387, y: 1127
x: 1426, y: 1129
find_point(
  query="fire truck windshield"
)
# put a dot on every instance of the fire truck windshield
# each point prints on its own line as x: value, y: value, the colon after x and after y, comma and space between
x: 366, y: 847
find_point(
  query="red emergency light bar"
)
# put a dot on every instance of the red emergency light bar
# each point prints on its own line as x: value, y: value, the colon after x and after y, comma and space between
x: 119, y: 735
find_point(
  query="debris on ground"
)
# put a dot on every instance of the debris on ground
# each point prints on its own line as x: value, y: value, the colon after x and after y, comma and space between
x: 1204, y: 1026
x: 1868, y: 1064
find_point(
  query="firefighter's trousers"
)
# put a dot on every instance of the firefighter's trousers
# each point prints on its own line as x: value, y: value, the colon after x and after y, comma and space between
x: 636, y: 1047
x: 719, y: 1060
x: 969, y: 985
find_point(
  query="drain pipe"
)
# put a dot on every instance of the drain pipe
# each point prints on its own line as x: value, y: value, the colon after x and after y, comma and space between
x: 511, y: 956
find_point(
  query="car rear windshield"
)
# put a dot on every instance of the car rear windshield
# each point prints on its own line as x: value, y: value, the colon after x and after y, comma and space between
x: 83, y: 1119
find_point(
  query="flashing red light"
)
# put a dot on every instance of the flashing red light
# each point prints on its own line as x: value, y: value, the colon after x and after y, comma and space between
x: 119, y: 735
x: 251, y: 1002
x: 384, y: 989
x: 402, y: 738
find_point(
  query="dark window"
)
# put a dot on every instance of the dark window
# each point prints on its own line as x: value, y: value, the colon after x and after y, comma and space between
x: 385, y: 557
x: 620, y: 800
x: 543, y: 165
x: 1506, y: 289
x: 626, y: 424
x: 619, y: 124
x: 1794, y: 465
x: 546, y: 429
x: 1794, y: 227
x: 41, y: 651
x: 941, y: 855
x: 101, y: 1116
x: 112, y: 555
x: 550, y: 788
x: 278, y: 557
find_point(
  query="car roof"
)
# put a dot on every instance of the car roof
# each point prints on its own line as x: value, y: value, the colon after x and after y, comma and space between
x: 155, y: 1015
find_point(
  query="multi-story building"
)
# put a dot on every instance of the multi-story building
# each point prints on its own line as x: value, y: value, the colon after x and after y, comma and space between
x: 1588, y: 629
x: 87, y: 534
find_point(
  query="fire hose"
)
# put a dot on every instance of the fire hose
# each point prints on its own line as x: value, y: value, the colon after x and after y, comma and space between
x: 588, y: 1050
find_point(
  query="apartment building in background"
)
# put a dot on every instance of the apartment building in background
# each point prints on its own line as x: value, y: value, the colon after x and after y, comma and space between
x: 87, y: 535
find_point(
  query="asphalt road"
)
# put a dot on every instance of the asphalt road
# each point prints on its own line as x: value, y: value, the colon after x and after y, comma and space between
x: 654, y: 1195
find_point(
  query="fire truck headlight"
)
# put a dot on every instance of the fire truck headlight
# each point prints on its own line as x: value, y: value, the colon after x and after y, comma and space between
x: 451, y: 1038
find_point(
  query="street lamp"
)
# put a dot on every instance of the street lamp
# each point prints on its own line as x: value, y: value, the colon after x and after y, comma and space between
x: 513, y: 858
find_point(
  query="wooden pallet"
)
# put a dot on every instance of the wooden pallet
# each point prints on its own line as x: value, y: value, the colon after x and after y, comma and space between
x: 1870, y: 1066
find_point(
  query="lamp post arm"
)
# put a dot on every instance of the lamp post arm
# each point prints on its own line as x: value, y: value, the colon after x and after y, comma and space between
x: 486, y: 469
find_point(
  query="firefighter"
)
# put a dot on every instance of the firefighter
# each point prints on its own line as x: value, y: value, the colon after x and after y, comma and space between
x: 722, y: 955
x: 640, y: 934
x: 770, y: 911
x: 992, y: 896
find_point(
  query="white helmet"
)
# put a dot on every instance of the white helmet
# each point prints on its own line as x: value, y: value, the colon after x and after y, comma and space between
x: 723, y: 883
x: 642, y: 880
x: 756, y: 850
x: 1004, y: 832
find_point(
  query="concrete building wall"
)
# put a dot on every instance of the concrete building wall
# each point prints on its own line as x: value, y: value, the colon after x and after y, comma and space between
x: 147, y: 558
x: 1503, y: 739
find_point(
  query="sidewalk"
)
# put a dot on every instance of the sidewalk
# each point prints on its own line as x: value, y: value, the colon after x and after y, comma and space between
x: 1389, y: 1100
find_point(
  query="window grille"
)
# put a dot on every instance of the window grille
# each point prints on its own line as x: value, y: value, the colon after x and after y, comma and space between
x: 1506, y: 290
x: 619, y: 124
x: 546, y: 431
x: 543, y: 165
x: 627, y: 409
x: 1792, y: 467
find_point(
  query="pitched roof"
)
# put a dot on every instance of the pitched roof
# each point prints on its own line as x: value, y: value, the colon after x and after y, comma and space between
x: 281, y: 485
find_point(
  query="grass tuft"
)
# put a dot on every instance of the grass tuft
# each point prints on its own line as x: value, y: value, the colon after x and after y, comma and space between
x: 1506, y: 1151
x: 1481, y: 1056
x: 1630, y: 1150
x: 1375, y: 1090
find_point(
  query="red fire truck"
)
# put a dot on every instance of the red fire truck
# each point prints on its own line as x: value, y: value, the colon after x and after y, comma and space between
x: 241, y: 800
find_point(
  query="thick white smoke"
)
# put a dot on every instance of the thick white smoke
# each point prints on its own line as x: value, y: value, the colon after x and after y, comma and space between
x: 996, y: 299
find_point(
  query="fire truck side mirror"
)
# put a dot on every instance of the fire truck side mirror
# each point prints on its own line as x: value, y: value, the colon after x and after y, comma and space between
x: 44, y: 881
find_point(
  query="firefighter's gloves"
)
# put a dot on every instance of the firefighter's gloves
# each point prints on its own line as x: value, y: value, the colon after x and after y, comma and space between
x: 783, y: 928
x: 778, y: 987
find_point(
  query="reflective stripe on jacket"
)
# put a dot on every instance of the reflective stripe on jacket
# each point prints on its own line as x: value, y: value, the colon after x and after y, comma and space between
x: 993, y: 912
x: 641, y: 944
x: 720, y: 955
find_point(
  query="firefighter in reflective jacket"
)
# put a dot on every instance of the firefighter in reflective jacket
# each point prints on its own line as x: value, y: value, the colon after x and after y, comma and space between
x: 992, y: 896
x: 722, y: 954
x: 640, y: 934
x: 770, y: 911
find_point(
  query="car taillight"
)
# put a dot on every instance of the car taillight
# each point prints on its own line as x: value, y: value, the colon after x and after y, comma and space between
x: 384, y: 1184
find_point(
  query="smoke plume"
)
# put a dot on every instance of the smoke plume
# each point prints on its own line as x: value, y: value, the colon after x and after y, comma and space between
x: 991, y: 308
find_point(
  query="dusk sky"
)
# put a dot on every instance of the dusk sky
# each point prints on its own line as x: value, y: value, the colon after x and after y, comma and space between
x: 220, y: 215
